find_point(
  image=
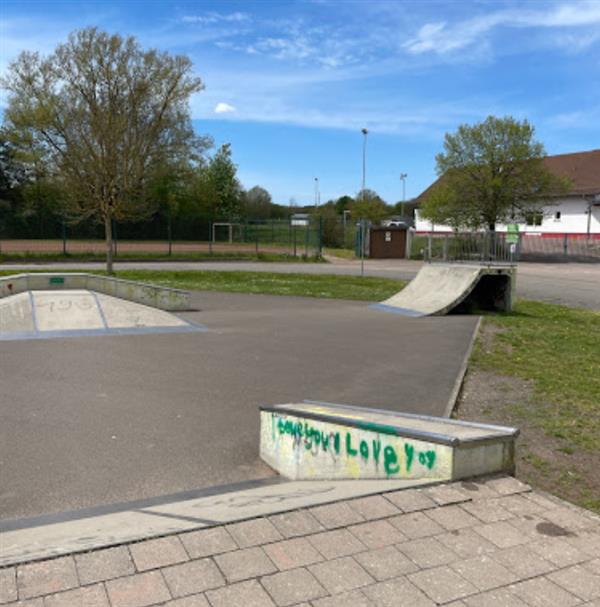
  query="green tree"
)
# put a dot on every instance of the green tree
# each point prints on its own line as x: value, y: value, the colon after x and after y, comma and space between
x: 101, y: 113
x: 258, y: 203
x: 224, y: 185
x: 368, y: 205
x: 491, y: 172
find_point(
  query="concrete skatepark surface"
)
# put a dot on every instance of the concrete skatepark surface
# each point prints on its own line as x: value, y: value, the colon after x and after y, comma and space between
x: 92, y: 421
x: 47, y: 314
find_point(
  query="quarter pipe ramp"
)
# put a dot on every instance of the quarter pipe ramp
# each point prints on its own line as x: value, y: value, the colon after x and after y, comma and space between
x: 440, y: 289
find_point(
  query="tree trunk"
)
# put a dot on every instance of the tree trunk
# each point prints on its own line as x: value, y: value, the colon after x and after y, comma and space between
x: 109, y: 244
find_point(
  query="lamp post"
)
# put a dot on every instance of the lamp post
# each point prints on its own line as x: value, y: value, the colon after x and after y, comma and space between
x: 365, y: 132
x: 403, y: 177
x: 317, y: 194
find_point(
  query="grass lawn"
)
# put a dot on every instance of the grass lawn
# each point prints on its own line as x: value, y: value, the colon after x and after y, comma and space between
x: 272, y: 283
x: 553, y: 354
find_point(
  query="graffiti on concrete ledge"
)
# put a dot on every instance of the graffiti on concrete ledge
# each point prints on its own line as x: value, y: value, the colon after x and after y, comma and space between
x: 317, y: 439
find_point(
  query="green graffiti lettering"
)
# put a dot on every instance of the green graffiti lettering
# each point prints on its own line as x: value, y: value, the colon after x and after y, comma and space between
x: 289, y: 426
x: 336, y: 442
x: 390, y: 460
x: 376, y: 450
x: 364, y: 449
x: 325, y: 440
x: 281, y: 426
x: 409, y: 450
x: 427, y: 458
x: 349, y: 449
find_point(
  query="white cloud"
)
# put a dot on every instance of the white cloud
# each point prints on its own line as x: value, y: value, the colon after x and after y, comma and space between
x: 441, y: 38
x: 223, y: 108
x: 213, y: 17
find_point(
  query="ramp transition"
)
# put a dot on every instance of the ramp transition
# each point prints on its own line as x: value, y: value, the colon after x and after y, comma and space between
x: 440, y: 289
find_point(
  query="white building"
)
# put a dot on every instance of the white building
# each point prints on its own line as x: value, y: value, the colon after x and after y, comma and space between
x: 576, y: 213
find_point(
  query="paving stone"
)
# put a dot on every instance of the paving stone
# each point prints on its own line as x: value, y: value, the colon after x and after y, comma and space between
x: 484, y: 572
x: 541, y: 592
x: 523, y: 562
x: 502, y: 534
x: 427, y: 552
x: 290, y: 554
x: 579, y: 581
x: 192, y: 577
x: 341, y: 575
x: 519, y: 504
x: 373, y: 507
x: 138, y: 590
x: 558, y: 551
x: 336, y: 515
x: 206, y: 542
x: 245, y: 564
x: 385, y: 563
x: 593, y: 566
x: 487, y: 511
x: 28, y: 603
x: 354, y: 598
x: 46, y: 577
x: 453, y: 517
x: 8, y: 585
x: 197, y: 600
x: 90, y: 596
x: 416, y: 525
x: 336, y: 543
x: 535, y: 527
x: 547, y: 502
x: 569, y: 519
x: 377, y: 534
x: 410, y: 500
x: 245, y: 594
x: 477, y: 490
x: 290, y: 587
x: 254, y: 532
x: 501, y: 597
x: 442, y: 584
x: 296, y: 523
x: 444, y: 495
x: 161, y: 552
x: 507, y: 485
x: 104, y: 565
x: 587, y: 541
x: 387, y: 594
x: 466, y: 543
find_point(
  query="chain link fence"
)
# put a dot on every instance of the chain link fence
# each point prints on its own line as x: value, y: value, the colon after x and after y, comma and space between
x: 164, y: 238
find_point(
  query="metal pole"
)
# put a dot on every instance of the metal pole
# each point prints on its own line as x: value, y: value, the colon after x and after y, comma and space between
x: 64, y: 236
x: 316, y: 192
x: 362, y: 247
x: 365, y: 132
x: 403, y: 177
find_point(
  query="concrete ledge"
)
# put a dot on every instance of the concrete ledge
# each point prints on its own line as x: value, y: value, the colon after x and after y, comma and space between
x: 150, y: 295
x: 325, y: 441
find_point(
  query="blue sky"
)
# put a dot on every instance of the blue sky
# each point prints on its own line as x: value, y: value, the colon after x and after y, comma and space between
x: 291, y: 84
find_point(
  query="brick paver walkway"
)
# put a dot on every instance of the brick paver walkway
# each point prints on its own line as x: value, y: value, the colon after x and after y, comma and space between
x: 475, y: 544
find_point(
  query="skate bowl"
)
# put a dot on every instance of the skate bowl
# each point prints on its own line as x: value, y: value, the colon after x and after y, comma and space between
x: 440, y: 289
x: 325, y: 441
x: 43, y: 306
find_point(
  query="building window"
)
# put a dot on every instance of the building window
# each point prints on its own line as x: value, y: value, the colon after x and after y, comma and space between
x: 534, y: 219
x: 557, y: 216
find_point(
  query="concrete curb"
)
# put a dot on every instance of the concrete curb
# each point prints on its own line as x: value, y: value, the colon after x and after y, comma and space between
x: 462, y: 371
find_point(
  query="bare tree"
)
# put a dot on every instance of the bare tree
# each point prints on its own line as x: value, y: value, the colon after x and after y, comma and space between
x: 103, y: 114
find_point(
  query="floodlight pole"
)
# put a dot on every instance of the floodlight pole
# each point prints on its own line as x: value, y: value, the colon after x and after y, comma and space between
x: 403, y: 177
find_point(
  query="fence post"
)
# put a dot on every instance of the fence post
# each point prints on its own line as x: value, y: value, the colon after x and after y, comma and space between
x: 445, y: 250
x: 64, y: 236
x: 294, y: 234
x: 408, y: 248
x: 114, y: 237
x: 211, y: 234
x: 257, y: 232
x: 429, y: 246
x: 320, y: 238
x: 565, y: 245
x: 169, y: 234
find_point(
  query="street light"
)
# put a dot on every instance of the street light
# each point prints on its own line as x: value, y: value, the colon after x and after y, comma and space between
x: 365, y: 132
x: 317, y: 193
x: 403, y: 177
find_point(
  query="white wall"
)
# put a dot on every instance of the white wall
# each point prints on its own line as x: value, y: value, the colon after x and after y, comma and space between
x: 573, y: 220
